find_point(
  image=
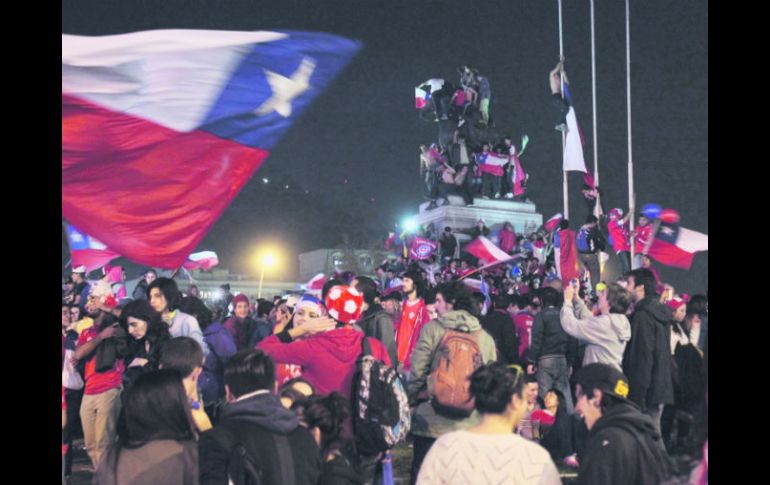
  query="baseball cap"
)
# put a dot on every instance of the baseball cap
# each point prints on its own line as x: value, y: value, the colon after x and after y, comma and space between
x: 604, y: 377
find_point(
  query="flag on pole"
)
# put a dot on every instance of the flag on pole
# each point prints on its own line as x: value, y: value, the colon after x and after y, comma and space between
x: 483, y: 249
x: 573, y: 145
x: 161, y: 129
x: 421, y: 249
x: 88, y: 251
x: 202, y: 260
x: 676, y: 246
x: 485, y: 292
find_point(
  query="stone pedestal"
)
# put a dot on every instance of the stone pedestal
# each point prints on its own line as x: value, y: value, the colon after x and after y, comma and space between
x: 495, y: 213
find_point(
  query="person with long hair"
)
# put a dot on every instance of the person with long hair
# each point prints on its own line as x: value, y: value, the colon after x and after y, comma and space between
x: 490, y: 452
x: 325, y: 417
x: 147, y: 334
x: 160, y: 443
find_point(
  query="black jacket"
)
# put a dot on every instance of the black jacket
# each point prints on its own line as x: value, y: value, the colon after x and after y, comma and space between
x: 647, y: 359
x: 256, y: 421
x: 594, y: 238
x: 549, y: 338
x: 623, y: 447
x: 500, y: 326
x: 377, y: 323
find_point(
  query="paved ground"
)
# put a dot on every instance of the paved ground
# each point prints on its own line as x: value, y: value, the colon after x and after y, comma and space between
x: 82, y: 471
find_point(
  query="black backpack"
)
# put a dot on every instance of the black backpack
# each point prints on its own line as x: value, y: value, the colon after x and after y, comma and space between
x: 243, y: 468
x: 381, y: 416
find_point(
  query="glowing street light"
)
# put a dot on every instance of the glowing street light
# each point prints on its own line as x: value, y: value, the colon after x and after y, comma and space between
x: 267, y: 260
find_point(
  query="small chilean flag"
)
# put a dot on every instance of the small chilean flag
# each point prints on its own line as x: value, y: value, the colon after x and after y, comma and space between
x: 161, y: 129
x: 202, y: 260
x: 316, y: 283
x: 88, y: 251
x: 676, y: 246
x: 483, y: 248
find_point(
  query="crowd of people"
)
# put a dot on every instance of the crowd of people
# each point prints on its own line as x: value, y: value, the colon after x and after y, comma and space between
x: 490, y: 371
x: 468, y: 158
x: 497, y: 377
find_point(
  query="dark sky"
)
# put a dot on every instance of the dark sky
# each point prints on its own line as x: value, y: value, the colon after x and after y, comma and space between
x: 365, y: 130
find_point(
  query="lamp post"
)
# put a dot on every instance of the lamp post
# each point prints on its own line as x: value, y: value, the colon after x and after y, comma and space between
x: 268, y: 259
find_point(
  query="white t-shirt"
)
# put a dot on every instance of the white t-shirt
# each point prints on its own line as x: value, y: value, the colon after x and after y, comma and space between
x: 462, y: 457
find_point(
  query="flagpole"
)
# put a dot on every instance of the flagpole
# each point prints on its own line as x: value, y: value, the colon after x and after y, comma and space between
x: 593, y: 89
x: 565, y: 191
x: 631, y: 195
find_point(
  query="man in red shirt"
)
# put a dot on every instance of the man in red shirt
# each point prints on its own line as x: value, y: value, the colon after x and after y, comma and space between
x: 618, y: 231
x: 414, y: 315
x: 522, y: 309
x: 101, y: 398
x: 642, y: 235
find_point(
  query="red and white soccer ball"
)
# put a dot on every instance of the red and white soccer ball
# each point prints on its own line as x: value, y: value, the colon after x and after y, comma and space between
x: 344, y: 303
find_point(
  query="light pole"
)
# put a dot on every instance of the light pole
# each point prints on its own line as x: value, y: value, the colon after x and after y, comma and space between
x: 268, y: 259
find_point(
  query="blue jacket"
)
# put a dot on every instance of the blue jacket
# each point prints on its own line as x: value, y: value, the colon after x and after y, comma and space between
x: 221, y: 347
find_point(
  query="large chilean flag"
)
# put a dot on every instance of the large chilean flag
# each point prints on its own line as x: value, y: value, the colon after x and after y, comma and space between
x: 161, y: 129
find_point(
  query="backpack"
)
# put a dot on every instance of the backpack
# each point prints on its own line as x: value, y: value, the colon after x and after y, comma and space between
x: 243, y: 468
x: 448, y: 384
x: 582, y: 241
x: 381, y: 416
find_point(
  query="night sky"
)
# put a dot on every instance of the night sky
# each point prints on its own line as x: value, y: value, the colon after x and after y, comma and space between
x: 351, y: 161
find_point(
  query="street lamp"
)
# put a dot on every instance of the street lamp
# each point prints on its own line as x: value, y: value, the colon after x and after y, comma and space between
x: 267, y: 260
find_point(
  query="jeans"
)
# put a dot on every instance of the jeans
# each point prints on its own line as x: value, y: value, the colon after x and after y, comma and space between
x: 552, y: 374
x: 99, y: 415
x: 491, y: 184
x: 562, y: 105
x: 591, y: 262
x: 625, y: 261
x: 74, y: 427
x: 421, y: 448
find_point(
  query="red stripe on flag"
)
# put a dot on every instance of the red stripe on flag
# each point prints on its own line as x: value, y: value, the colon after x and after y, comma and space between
x: 670, y: 254
x: 146, y: 191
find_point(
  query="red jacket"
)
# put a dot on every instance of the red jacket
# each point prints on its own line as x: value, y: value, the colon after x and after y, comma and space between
x: 328, y: 359
x: 507, y: 240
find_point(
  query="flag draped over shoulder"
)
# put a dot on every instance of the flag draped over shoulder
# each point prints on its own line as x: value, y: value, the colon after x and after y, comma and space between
x: 161, y: 129
x: 519, y: 177
x: 676, y: 246
x: 568, y: 265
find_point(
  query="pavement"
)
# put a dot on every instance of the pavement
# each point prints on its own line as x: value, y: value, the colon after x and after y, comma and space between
x: 82, y: 471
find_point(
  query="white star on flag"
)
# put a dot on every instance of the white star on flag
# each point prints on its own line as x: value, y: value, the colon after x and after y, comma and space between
x: 667, y: 231
x: 285, y: 89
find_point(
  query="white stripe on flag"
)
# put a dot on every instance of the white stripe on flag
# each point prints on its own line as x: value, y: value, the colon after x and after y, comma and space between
x: 573, y: 147
x: 692, y: 241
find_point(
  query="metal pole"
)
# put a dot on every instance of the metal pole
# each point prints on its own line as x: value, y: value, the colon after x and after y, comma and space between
x: 565, y: 191
x: 631, y: 195
x: 597, y: 207
x: 261, y: 277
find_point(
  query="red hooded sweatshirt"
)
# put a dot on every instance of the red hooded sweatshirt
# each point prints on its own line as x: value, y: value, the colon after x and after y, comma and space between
x: 328, y: 359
